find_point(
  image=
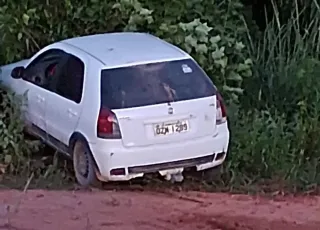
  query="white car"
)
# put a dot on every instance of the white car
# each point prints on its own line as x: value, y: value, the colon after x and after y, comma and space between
x: 122, y: 105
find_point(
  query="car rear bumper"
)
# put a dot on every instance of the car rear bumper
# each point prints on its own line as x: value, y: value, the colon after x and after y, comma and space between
x: 117, y: 163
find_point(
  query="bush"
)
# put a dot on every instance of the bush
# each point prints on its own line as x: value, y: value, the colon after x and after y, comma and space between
x: 14, y: 149
x: 268, y: 147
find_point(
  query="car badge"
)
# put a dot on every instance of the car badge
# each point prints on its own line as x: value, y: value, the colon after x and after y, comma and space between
x: 170, y: 110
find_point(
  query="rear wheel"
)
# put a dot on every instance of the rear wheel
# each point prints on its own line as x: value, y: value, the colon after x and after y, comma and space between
x: 212, y: 174
x: 84, y: 165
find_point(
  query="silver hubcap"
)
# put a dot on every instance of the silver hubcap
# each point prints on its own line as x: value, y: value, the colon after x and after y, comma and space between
x: 82, y: 163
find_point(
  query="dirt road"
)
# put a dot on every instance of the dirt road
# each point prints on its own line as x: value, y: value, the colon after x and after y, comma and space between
x: 111, y: 210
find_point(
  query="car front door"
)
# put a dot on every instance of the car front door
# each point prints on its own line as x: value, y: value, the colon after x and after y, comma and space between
x: 63, y: 107
x: 37, y: 78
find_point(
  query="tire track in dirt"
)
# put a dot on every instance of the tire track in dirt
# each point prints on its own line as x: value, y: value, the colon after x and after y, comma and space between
x: 123, y: 210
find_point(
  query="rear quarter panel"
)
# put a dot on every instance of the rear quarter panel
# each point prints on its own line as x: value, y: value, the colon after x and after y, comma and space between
x: 91, y: 100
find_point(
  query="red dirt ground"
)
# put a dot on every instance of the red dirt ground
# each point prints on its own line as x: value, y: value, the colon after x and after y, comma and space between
x: 124, y: 210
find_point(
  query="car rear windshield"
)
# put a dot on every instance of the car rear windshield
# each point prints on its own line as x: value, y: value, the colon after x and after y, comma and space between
x: 154, y: 83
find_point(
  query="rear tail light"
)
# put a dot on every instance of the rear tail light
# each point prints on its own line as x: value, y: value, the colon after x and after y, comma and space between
x: 107, y: 125
x: 221, y: 110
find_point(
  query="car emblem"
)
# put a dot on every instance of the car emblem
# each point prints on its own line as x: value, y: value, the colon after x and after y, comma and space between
x: 170, y: 110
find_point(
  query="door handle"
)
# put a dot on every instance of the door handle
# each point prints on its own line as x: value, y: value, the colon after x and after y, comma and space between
x: 72, y: 113
x: 40, y: 99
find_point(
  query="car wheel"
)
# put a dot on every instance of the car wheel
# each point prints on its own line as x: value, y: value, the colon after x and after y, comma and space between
x: 84, y: 165
x: 212, y: 174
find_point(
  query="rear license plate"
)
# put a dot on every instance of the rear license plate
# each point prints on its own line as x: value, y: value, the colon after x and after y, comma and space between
x: 171, y: 128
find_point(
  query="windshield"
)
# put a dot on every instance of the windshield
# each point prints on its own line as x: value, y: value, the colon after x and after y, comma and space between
x: 154, y: 83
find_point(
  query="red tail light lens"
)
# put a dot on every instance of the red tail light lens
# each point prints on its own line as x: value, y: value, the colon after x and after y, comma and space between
x: 107, y: 125
x: 221, y: 110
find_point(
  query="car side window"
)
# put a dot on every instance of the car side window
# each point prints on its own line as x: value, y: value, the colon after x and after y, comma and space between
x: 42, y: 68
x: 70, y: 79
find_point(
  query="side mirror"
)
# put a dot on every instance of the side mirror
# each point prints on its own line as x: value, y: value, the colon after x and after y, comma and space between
x: 17, y: 72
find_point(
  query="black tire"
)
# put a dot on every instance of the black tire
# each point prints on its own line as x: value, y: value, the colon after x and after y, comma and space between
x: 84, y: 165
x: 212, y: 174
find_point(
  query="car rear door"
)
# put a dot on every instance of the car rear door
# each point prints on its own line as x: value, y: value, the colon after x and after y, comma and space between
x: 64, y: 104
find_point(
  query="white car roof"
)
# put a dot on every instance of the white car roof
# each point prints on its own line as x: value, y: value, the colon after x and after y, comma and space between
x: 127, y: 48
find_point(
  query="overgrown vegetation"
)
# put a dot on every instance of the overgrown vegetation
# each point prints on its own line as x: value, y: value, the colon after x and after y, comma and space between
x: 21, y: 156
x: 269, y: 77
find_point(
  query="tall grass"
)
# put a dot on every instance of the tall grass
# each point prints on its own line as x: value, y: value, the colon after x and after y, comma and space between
x: 284, y: 55
x: 276, y: 131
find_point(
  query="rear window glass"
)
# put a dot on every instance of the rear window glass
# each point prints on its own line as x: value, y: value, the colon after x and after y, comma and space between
x: 154, y: 83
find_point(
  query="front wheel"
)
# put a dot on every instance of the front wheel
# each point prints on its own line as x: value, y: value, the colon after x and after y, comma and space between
x: 84, y: 165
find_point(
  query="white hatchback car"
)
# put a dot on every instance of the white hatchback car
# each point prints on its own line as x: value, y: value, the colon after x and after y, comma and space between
x: 122, y: 105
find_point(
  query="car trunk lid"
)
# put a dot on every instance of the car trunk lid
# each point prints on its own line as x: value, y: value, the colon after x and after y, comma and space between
x: 167, y: 122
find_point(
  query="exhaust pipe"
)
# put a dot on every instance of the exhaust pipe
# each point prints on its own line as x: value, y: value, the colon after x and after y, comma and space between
x: 178, y: 177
